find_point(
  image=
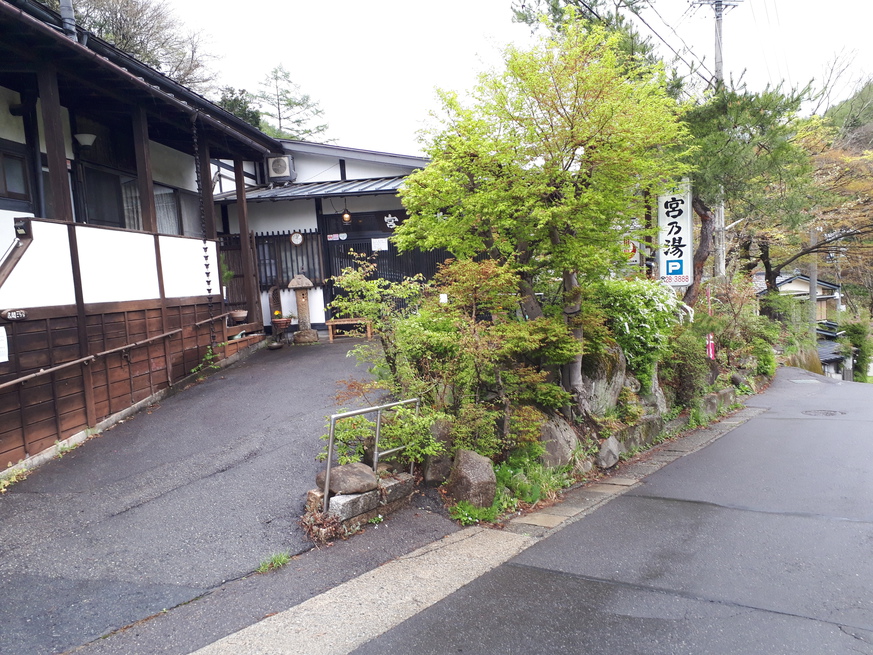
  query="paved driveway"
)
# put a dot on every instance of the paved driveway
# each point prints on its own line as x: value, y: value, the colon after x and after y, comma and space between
x: 168, y: 505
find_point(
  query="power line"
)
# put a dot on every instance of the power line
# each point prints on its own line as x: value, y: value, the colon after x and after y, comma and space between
x: 684, y: 44
x: 666, y: 43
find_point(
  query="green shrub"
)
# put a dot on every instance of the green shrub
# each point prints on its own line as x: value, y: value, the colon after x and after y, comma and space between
x: 765, y: 357
x: 686, y: 370
x: 641, y: 315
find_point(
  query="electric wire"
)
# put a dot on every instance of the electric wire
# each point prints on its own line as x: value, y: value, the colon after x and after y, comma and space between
x: 666, y: 43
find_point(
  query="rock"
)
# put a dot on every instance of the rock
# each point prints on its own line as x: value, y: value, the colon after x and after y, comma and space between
x: 346, y: 507
x: 602, y: 380
x: 642, y: 434
x: 726, y: 398
x: 709, y: 405
x: 610, y: 450
x: 395, y: 488
x: 560, y: 441
x: 472, y: 479
x: 349, y: 479
x: 314, y: 500
x: 306, y: 336
x: 438, y: 467
x: 654, y: 397
x: 739, y: 381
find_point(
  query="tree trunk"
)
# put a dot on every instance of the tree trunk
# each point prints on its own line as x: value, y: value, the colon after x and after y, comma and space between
x: 572, y: 371
x: 704, y: 248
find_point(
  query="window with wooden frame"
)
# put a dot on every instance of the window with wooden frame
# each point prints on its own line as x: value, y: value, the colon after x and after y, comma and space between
x: 13, y: 176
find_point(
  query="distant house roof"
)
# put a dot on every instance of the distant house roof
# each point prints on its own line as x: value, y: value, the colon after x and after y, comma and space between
x: 376, y: 186
x: 761, y: 285
x: 828, y: 351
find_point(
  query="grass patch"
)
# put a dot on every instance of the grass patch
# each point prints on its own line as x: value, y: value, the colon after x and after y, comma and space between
x: 273, y: 562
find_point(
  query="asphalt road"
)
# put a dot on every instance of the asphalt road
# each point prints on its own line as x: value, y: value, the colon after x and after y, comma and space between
x: 759, y: 543
x: 183, y: 502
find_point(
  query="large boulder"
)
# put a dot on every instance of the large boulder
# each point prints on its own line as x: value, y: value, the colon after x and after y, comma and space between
x: 560, y: 441
x: 610, y: 451
x: 602, y: 379
x: 437, y: 468
x: 354, y: 478
x: 472, y: 479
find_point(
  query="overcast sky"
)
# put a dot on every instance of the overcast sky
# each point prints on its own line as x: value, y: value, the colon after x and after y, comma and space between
x: 373, y: 66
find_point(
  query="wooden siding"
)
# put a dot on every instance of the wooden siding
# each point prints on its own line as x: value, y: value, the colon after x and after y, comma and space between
x: 36, y: 413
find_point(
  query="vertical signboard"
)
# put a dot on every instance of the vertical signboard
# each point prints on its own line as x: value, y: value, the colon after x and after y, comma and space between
x: 675, y: 254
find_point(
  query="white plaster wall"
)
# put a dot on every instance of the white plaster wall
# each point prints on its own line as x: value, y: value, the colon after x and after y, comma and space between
x: 173, y: 167
x: 116, y: 266
x: 288, y: 299
x: 364, y: 204
x: 7, y: 232
x: 316, y: 168
x: 11, y: 127
x: 184, y: 267
x: 44, y: 275
x: 357, y: 170
x: 277, y: 216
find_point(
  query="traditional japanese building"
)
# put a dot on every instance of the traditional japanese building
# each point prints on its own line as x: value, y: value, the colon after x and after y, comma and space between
x: 109, y: 282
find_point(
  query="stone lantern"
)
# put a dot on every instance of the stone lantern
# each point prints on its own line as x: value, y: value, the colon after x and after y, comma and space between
x: 301, y: 285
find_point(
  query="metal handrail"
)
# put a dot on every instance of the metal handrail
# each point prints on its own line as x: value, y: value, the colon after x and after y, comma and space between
x: 357, y: 412
x: 88, y: 358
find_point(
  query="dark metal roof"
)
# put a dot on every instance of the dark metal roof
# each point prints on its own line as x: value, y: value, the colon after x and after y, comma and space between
x: 829, y: 351
x: 375, y: 186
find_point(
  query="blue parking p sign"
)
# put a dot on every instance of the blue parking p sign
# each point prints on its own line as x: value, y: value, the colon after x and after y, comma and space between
x: 674, y: 267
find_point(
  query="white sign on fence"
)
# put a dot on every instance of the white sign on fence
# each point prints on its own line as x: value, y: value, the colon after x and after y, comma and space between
x: 675, y: 252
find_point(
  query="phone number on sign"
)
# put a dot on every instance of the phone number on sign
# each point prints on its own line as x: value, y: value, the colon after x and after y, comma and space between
x: 674, y: 279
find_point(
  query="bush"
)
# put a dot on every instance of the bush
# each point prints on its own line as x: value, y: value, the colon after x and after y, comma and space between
x: 686, y: 370
x: 641, y: 315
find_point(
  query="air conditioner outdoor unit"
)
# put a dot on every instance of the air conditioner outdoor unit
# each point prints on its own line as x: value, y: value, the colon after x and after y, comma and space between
x: 281, y: 169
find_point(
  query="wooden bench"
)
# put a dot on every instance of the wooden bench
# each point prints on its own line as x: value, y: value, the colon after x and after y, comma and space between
x: 333, y: 322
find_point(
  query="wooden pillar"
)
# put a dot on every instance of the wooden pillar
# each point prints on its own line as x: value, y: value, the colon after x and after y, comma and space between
x: 206, y: 189
x: 248, y: 263
x: 56, y: 154
x: 82, y: 327
x: 144, y: 181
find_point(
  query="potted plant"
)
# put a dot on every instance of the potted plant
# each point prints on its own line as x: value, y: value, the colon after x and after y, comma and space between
x: 280, y: 324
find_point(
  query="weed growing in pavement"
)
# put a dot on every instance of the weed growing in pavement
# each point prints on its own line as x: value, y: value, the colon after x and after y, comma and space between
x: 210, y: 360
x: 17, y: 475
x: 273, y: 562
x: 64, y: 448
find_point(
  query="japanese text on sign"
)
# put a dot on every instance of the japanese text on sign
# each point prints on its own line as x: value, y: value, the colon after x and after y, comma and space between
x: 675, y: 242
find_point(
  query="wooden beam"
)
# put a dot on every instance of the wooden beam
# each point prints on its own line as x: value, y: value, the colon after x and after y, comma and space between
x: 244, y: 241
x: 82, y: 328
x: 144, y: 180
x: 56, y: 153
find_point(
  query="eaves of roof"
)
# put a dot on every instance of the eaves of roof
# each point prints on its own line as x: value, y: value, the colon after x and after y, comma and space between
x: 28, y: 21
x: 375, y: 156
x: 377, y: 186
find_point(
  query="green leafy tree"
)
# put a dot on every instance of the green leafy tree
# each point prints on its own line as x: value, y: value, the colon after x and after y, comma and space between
x: 749, y: 154
x: 289, y: 113
x: 241, y: 104
x: 547, y: 167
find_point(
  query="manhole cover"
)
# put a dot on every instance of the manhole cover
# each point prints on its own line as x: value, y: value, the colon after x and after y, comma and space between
x: 823, y: 412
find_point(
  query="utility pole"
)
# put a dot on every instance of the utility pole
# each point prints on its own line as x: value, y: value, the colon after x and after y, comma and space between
x: 720, y: 237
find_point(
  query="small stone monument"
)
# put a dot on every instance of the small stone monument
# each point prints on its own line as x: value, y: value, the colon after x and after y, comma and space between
x: 301, y: 285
